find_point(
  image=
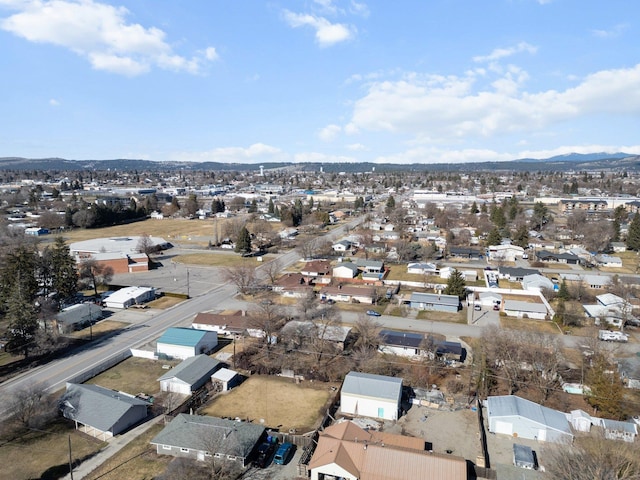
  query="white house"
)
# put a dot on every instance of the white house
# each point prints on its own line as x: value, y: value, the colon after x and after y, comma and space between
x: 520, y: 309
x: 77, y: 316
x: 345, y: 270
x: 125, y: 297
x: 342, y: 246
x: 506, y: 253
x: 189, y: 375
x: 178, y: 342
x: 371, y: 395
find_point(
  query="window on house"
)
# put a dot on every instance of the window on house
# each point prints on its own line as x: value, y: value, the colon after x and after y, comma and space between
x: 166, y: 447
x: 185, y: 450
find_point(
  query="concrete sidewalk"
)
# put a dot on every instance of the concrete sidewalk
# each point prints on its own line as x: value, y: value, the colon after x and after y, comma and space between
x: 115, y: 445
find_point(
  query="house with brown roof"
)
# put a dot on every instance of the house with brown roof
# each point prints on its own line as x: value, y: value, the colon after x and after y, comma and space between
x: 317, y: 271
x: 233, y: 323
x: 349, y: 452
x: 292, y: 285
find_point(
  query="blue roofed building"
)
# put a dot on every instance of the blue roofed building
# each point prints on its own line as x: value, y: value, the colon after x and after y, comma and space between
x: 179, y: 342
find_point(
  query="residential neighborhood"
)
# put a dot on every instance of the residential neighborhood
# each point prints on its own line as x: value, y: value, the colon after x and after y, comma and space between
x: 452, y: 326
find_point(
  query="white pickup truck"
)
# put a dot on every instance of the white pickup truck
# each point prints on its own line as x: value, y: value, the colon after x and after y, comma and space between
x: 609, y: 336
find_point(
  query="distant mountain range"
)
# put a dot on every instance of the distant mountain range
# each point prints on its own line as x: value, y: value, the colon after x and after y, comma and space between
x: 569, y: 162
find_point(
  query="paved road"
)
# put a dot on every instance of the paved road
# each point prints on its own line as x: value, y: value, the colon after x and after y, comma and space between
x: 210, y: 293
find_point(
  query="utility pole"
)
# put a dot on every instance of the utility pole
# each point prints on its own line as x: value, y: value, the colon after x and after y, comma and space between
x: 187, y: 283
x: 70, y: 460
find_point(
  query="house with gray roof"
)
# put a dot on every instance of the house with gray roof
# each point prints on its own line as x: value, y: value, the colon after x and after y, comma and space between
x: 434, y: 301
x: 102, y: 412
x: 517, y: 417
x: 401, y: 343
x: 345, y: 270
x: 189, y: 375
x: 202, y: 437
x: 522, y: 309
x: 616, y: 430
x: 371, y: 395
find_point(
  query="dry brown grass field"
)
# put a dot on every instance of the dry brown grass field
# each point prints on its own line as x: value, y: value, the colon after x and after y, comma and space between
x: 99, y: 329
x: 279, y: 401
x: 180, y: 229
x: 45, y: 454
x: 529, y: 325
x: 133, y: 375
x: 137, y: 461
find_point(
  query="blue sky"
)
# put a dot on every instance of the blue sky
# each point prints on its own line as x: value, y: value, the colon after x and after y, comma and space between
x: 424, y: 81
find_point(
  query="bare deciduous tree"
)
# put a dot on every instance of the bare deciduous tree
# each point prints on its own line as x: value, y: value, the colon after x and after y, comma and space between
x: 242, y: 276
x: 593, y: 457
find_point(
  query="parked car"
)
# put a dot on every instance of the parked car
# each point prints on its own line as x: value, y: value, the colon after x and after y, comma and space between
x: 265, y: 451
x: 283, y: 453
x: 477, y: 307
x: 496, y: 307
x: 373, y: 313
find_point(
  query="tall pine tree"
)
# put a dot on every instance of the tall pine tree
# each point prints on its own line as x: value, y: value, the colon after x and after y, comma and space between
x: 633, y: 237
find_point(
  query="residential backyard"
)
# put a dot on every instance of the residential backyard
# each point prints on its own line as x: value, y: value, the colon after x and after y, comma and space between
x: 44, y: 453
x: 133, y: 375
x: 275, y: 402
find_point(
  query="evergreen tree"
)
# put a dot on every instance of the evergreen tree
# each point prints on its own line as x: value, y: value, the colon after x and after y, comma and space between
x: 271, y: 210
x: 563, y: 291
x: 253, y: 208
x: 474, y: 208
x: 633, y: 237
x: 456, y: 285
x: 494, y: 237
x: 391, y: 203
x: 521, y: 237
x: 23, y: 322
x: 243, y: 242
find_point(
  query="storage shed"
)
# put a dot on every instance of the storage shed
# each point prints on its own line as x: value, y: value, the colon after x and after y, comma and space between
x: 523, y: 457
x: 371, y: 395
x: 511, y: 415
x: 227, y: 378
x: 179, y: 342
x: 189, y: 375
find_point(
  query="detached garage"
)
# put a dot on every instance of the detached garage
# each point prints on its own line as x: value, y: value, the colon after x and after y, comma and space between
x: 515, y: 416
x: 128, y: 296
x: 189, y: 375
x: 178, y: 342
x: 371, y: 395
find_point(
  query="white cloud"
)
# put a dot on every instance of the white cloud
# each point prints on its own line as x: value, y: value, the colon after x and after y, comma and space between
x: 327, y: 6
x: 564, y: 150
x: 437, y: 155
x: 258, y: 152
x: 616, y: 31
x: 359, y: 8
x: 54, y: 103
x: 356, y: 147
x: 100, y: 33
x: 450, y: 108
x: 329, y: 133
x: 327, y: 33
x: 500, y: 53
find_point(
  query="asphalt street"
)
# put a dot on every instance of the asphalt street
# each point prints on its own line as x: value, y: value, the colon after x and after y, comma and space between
x: 207, y: 293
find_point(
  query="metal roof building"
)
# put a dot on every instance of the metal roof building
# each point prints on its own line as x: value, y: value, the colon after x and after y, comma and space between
x: 371, y: 395
x: 189, y: 375
x: 179, y: 342
x: 511, y: 415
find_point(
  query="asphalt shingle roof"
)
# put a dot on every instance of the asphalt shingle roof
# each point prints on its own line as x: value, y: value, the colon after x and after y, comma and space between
x: 192, y: 369
x: 210, y: 434
x: 97, y: 406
